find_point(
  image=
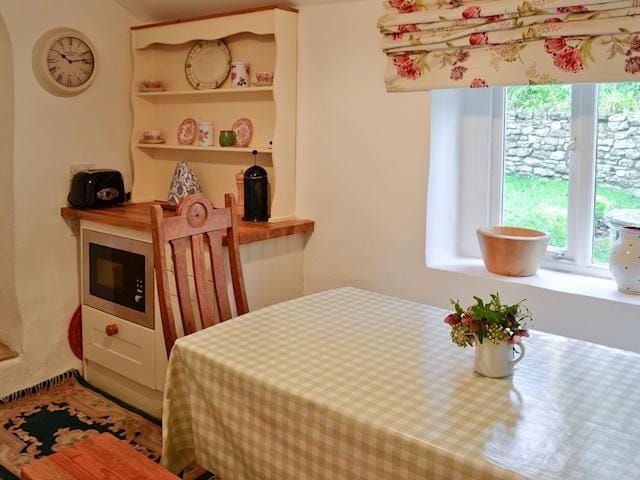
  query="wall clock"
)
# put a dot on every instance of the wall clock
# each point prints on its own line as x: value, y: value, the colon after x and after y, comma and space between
x: 64, y: 62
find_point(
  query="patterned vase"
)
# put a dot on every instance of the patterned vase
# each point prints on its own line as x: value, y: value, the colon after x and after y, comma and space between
x: 183, y: 184
x: 624, y: 260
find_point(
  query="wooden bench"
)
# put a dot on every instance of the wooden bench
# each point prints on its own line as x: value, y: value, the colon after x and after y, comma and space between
x: 102, y: 457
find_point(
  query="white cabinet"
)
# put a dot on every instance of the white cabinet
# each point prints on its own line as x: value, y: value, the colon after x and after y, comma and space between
x: 130, y: 351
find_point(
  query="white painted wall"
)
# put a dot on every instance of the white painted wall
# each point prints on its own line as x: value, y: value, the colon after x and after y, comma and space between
x: 362, y: 175
x: 10, y: 322
x: 52, y: 133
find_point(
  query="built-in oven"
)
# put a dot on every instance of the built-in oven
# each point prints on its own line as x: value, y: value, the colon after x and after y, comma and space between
x: 118, y: 276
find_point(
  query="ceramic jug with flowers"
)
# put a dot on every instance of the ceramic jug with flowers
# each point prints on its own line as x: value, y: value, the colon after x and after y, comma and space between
x: 494, y: 329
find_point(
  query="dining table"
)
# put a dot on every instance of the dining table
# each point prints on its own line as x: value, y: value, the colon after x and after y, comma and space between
x: 352, y: 384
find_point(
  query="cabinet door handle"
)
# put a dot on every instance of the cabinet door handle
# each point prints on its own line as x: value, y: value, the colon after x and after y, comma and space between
x: 111, y: 330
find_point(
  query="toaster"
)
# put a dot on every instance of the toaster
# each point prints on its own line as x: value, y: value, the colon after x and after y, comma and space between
x: 96, y: 188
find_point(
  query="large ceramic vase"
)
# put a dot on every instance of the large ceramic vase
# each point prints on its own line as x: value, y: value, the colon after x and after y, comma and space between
x: 496, y: 361
x: 624, y: 260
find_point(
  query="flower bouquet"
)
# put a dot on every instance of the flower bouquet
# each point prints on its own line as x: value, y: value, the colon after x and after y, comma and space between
x: 494, y: 328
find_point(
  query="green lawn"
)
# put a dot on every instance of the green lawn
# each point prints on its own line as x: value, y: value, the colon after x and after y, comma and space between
x: 541, y: 204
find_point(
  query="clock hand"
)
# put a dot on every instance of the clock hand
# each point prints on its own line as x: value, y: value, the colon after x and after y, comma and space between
x: 62, y: 55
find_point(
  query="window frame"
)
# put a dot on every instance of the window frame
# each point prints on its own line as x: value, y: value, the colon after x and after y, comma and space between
x: 582, y: 159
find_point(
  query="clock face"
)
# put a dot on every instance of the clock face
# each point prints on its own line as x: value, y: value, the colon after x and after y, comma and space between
x: 70, y: 61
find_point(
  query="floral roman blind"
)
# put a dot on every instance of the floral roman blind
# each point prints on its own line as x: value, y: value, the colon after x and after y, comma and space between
x: 478, y: 43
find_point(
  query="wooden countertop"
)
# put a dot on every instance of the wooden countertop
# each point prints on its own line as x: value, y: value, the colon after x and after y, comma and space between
x: 138, y: 217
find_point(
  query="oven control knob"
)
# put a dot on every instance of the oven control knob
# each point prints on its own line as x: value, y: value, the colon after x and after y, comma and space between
x: 137, y: 298
x: 111, y: 330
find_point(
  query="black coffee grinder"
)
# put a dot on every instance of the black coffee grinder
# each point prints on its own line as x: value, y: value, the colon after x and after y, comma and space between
x: 256, y: 193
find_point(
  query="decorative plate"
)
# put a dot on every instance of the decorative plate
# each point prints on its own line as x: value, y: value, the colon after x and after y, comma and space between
x: 187, y: 131
x: 208, y: 64
x: 244, y: 131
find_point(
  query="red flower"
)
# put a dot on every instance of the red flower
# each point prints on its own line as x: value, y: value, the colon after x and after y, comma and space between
x: 402, y: 29
x: 404, y: 6
x: 494, y: 18
x: 554, y: 20
x: 632, y: 65
x: 555, y: 45
x: 478, y: 39
x: 471, y: 12
x: 462, y: 56
x: 451, y: 319
x: 458, y: 72
x: 635, y: 43
x: 569, y: 60
x: 478, y: 83
x: 233, y: 75
x: 406, y: 67
x: 575, y: 8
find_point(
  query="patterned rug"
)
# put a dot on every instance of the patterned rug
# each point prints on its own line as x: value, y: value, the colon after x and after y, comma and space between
x: 63, y: 411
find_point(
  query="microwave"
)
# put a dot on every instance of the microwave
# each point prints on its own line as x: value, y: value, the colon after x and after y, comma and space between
x: 118, y: 276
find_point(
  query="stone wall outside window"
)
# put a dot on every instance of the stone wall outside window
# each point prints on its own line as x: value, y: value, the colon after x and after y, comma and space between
x: 535, y: 145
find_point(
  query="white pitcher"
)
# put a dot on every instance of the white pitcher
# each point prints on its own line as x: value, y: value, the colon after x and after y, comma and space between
x: 496, y: 361
x: 624, y: 260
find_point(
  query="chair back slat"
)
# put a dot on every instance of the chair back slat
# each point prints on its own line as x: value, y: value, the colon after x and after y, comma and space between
x: 196, y: 227
x: 217, y: 271
x: 233, y: 246
x: 162, y: 277
x: 179, y: 248
x: 205, y: 303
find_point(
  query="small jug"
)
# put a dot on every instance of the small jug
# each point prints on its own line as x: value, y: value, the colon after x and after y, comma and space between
x: 496, y: 361
x: 227, y: 138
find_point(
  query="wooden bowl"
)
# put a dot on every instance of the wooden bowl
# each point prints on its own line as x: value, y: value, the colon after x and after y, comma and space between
x: 516, y: 252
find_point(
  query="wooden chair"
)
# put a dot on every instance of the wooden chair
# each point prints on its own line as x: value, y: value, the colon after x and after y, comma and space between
x: 195, y: 225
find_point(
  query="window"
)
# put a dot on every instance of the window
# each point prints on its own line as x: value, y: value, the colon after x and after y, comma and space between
x: 566, y: 160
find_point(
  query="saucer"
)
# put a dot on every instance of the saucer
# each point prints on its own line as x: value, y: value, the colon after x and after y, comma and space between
x: 153, y: 142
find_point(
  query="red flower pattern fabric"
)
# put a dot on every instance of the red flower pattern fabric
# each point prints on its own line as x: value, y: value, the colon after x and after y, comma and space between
x: 471, y: 12
x: 478, y: 39
x: 449, y: 43
x: 402, y: 29
x: 478, y: 83
x: 569, y: 60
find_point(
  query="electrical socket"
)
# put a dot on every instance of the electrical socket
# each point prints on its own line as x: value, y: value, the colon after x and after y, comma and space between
x: 79, y: 167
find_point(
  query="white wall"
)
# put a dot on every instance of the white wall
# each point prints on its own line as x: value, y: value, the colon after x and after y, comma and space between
x: 362, y: 176
x: 10, y: 322
x: 52, y: 133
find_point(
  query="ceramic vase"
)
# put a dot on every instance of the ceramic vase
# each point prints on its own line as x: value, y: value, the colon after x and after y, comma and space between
x: 496, y: 361
x: 624, y: 260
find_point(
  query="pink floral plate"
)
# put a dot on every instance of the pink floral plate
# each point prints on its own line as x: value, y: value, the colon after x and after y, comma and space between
x: 244, y: 131
x: 187, y: 131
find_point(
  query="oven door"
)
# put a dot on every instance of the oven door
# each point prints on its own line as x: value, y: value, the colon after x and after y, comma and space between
x: 118, y: 276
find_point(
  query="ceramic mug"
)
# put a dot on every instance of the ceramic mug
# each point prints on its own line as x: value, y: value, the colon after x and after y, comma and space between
x: 240, y: 74
x: 496, y: 361
x: 227, y: 138
x: 205, y: 134
x: 151, y: 135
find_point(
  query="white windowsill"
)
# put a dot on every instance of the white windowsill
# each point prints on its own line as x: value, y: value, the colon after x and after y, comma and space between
x: 603, y: 288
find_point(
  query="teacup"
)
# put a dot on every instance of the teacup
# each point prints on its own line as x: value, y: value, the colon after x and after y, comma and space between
x: 264, y: 77
x: 151, y: 84
x: 151, y: 135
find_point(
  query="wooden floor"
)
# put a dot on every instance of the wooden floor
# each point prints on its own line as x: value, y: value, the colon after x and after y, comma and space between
x: 6, y: 353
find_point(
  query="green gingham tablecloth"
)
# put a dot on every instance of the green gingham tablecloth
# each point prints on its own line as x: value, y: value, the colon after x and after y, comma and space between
x: 349, y: 384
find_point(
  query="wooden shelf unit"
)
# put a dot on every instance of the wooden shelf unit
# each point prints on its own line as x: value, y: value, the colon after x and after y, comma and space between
x: 265, y: 38
x: 167, y: 146
x: 197, y: 93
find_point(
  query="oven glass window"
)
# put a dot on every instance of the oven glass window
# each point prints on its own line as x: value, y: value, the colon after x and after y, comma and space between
x: 117, y: 276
